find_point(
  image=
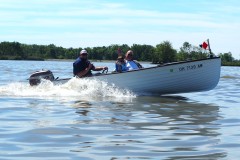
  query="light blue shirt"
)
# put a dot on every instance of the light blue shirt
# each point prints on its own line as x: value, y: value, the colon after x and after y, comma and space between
x: 131, y: 65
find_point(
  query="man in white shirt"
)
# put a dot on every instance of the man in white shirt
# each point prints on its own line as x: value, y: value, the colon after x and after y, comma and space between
x: 130, y: 63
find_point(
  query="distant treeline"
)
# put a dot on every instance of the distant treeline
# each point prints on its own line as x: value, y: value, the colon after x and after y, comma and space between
x: 161, y: 53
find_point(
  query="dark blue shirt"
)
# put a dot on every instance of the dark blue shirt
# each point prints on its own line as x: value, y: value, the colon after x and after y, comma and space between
x: 80, y: 65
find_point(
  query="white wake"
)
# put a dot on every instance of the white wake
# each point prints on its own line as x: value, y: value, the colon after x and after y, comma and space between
x: 73, y: 88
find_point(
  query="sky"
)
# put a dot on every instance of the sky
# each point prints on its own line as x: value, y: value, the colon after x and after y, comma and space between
x: 92, y: 23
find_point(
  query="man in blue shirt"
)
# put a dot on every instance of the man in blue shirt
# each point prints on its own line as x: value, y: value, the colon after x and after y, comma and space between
x: 82, y: 66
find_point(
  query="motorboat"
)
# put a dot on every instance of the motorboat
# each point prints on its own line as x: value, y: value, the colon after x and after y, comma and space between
x: 169, y: 78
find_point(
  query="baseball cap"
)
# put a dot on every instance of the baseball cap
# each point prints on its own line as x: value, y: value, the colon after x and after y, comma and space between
x: 83, y: 51
x: 120, y: 57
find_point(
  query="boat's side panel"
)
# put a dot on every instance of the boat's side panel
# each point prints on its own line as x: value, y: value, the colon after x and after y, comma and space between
x: 183, y: 77
x: 194, y: 76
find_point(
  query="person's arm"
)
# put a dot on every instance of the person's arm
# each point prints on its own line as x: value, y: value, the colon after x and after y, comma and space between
x: 84, y: 72
x: 99, y: 68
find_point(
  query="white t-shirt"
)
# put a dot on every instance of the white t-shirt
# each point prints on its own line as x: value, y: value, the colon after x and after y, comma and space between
x: 131, y: 65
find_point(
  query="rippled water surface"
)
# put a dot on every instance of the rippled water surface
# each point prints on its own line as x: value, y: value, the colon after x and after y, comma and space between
x: 87, y: 120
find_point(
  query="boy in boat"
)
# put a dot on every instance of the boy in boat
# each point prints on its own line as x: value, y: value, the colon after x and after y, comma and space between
x: 120, y: 64
x: 82, y: 66
x: 130, y: 63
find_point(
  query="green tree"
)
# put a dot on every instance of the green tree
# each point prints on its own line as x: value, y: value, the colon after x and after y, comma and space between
x: 51, y: 51
x: 226, y: 57
x: 12, y: 49
x: 184, y: 52
x: 188, y: 51
x: 164, y: 53
x: 142, y: 52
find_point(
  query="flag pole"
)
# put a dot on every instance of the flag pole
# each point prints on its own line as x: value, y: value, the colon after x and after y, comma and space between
x: 211, y: 55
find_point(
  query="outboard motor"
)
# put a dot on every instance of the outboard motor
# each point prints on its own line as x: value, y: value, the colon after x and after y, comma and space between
x: 36, y: 77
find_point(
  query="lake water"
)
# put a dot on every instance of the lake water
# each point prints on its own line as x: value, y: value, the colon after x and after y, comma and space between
x: 89, y: 120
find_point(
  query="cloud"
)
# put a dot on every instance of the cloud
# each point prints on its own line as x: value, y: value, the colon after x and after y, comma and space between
x: 64, y: 21
x: 105, y: 14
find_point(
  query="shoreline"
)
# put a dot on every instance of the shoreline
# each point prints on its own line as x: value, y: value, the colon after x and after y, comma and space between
x: 94, y: 60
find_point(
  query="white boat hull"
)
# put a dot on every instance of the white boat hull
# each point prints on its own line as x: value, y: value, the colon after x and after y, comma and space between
x: 180, y: 77
x: 172, y: 78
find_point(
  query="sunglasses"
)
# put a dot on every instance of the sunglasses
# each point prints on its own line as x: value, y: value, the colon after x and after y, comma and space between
x: 84, y: 54
x: 129, y: 55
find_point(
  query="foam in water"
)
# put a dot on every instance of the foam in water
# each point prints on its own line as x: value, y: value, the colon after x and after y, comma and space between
x: 73, y: 88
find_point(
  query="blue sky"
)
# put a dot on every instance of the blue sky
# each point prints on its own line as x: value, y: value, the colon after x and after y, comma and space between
x: 89, y: 23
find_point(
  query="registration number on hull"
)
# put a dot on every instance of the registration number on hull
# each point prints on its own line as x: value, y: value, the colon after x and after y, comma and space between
x: 190, y: 67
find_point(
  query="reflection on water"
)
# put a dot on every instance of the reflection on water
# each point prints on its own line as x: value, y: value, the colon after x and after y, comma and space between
x: 156, y: 127
x: 144, y: 127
